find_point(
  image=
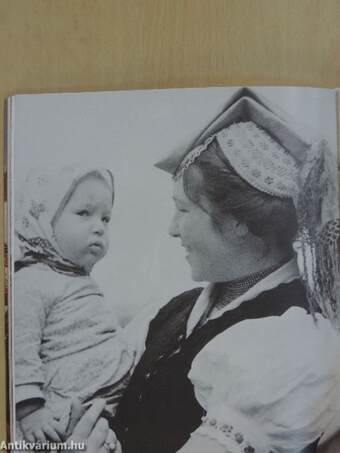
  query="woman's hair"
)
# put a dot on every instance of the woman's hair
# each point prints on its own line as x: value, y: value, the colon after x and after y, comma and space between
x: 211, y: 176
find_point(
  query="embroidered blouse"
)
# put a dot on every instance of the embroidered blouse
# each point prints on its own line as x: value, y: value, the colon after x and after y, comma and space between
x: 270, y: 384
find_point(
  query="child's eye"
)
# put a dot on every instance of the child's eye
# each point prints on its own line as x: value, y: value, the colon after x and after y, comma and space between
x: 83, y: 213
x: 106, y: 219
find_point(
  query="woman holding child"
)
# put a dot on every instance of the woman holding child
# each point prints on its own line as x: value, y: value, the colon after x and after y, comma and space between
x: 250, y: 363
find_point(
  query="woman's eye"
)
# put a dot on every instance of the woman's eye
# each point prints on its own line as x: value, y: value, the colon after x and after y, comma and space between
x: 83, y: 213
x: 182, y: 210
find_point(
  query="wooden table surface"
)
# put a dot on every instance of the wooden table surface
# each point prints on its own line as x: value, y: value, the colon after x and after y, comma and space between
x: 80, y: 45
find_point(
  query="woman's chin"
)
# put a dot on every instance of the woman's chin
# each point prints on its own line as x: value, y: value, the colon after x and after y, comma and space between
x: 197, y: 275
x: 199, y: 271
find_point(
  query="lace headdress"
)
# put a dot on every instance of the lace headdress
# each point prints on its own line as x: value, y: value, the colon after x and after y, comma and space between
x: 269, y: 154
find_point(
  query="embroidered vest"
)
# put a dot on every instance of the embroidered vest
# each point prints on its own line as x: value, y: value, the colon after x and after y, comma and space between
x: 159, y: 410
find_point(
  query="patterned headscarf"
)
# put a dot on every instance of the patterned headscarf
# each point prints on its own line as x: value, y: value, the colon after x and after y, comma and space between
x: 38, y: 204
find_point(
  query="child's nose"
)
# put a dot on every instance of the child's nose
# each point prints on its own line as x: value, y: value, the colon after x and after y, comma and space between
x: 98, y: 227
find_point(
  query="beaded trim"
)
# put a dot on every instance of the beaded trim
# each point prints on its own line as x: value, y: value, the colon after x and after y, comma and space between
x: 229, y: 432
x: 255, y: 156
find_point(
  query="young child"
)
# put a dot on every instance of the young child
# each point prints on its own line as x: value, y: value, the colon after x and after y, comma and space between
x: 66, y: 342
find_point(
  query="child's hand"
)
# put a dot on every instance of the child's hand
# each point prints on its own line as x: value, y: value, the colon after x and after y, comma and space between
x: 40, y: 425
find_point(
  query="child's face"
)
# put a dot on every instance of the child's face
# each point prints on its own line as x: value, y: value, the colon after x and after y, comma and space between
x: 81, y: 230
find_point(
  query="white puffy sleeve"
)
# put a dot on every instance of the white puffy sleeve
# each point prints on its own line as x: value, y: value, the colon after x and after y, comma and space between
x: 269, y: 385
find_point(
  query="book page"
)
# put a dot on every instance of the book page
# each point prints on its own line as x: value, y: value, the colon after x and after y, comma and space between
x: 100, y: 238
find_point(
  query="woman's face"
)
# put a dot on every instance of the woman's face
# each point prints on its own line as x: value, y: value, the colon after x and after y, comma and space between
x: 210, y: 252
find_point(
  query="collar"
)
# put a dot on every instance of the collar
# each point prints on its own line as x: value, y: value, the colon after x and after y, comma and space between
x: 285, y: 274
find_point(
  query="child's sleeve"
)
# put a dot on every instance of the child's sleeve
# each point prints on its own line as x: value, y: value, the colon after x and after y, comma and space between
x: 29, y: 310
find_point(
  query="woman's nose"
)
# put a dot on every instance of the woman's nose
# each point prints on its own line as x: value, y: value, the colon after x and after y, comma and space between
x: 173, y: 227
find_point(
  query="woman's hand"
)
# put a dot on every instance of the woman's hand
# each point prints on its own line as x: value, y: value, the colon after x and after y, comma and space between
x: 93, y: 431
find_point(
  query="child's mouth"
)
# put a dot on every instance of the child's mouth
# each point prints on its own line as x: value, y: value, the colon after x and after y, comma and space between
x: 96, y: 247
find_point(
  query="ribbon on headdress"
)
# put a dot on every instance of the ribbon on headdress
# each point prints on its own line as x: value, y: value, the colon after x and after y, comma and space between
x: 317, y: 244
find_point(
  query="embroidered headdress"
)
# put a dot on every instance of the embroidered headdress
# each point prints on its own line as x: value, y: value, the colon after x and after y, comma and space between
x: 268, y: 153
x: 41, y: 199
x: 258, y: 158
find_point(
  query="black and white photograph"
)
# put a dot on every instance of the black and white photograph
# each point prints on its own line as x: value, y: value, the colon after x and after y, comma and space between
x: 174, y: 273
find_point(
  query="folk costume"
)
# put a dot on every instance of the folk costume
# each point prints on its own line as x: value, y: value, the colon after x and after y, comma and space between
x: 260, y: 373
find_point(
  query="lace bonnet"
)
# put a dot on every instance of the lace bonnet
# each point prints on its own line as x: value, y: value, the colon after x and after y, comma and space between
x: 269, y: 154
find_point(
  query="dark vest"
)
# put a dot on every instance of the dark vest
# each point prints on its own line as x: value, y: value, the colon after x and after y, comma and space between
x: 159, y: 409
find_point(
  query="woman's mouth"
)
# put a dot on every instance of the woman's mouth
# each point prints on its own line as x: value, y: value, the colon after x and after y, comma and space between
x: 187, y: 250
